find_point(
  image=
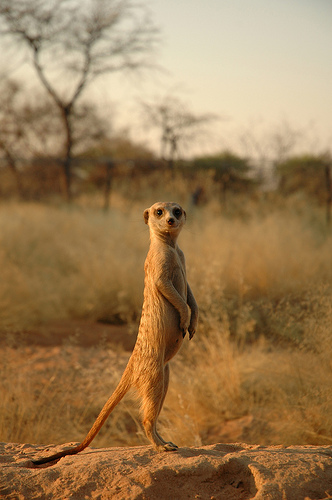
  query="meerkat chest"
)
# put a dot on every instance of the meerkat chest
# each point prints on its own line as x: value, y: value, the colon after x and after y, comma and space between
x: 168, y: 266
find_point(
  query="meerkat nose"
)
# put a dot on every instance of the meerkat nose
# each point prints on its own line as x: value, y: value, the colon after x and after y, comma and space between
x: 170, y: 221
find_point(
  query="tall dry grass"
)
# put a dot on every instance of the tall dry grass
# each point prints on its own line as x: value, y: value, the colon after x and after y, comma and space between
x: 262, y: 354
x: 59, y: 263
x: 54, y: 396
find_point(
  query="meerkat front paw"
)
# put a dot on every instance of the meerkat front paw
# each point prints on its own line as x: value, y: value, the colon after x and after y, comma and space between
x: 192, y: 332
x: 184, y: 330
x: 185, y: 322
x: 192, y: 328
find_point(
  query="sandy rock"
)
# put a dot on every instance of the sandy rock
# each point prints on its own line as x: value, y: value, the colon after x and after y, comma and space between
x: 215, y: 472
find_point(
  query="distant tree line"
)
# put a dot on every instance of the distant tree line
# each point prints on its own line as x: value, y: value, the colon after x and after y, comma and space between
x: 119, y: 161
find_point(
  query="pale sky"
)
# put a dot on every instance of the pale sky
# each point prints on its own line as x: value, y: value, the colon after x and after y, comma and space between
x: 256, y: 63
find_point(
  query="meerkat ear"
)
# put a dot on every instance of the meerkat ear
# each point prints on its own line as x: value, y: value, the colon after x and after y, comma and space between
x: 184, y: 213
x: 146, y: 215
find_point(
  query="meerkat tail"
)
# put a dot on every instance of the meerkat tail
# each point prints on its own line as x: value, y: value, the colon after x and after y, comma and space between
x: 110, y: 404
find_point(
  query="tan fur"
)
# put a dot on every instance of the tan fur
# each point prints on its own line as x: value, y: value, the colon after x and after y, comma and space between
x: 164, y: 322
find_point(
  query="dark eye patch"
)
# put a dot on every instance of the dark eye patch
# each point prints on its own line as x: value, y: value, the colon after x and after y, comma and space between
x: 159, y: 212
x: 177, y: 212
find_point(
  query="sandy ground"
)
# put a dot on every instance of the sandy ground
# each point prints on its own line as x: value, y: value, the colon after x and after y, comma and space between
x: 215, y: 472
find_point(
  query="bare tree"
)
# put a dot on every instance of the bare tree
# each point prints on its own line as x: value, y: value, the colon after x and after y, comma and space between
x: 31, y: 127
x: 71, y: 43
x: 274, y: 145
x: 178, y: 126
x: 10, y: 130
x: 271, y: 146
x: 27, y: 127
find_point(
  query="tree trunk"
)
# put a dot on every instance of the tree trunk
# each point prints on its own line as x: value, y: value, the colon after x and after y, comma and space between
x: 108, y: 184
x: 67, y: 184
x: 67, y: 164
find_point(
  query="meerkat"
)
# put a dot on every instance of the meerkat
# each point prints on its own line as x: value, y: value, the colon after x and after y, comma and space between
x: 169, y: 311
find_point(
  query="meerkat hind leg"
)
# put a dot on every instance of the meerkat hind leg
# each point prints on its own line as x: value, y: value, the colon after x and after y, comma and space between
x: 152, y: 404
x: 169, y: 445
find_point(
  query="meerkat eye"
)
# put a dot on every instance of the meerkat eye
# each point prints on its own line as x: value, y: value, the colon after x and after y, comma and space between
x: 159, y: 212
x: 177, y: 213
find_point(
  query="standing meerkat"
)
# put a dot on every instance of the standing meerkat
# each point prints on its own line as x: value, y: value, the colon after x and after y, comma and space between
x: 164, y: 322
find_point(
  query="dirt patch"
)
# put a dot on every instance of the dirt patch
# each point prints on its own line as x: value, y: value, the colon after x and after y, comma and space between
x: 78, y: 332
x: 216, y: 472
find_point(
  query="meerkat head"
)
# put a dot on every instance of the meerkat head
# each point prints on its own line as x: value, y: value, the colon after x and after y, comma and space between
x: 165, y: 219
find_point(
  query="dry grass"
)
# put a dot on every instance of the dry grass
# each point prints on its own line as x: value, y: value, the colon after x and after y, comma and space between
x: 261, y: 358
x: 54, y: 394
x: 273, y: 395
x: 69, y: 263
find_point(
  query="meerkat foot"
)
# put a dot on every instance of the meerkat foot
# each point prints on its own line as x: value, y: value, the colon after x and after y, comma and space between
x: 167, y: 447
x: 170, y: 446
